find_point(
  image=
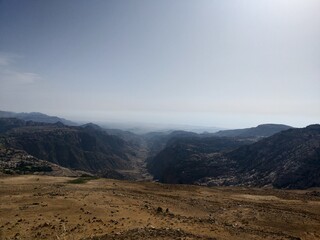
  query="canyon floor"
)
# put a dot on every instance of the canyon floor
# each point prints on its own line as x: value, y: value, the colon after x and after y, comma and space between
x: 43, y: 207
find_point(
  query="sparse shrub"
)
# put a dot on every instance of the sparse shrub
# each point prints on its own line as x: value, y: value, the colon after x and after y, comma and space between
x: 81, y: 180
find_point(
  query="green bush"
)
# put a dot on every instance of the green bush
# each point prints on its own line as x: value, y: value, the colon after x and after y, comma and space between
x: 81, y: 180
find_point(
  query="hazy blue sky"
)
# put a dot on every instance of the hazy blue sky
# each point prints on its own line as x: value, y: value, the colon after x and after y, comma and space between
x: 227, y: 63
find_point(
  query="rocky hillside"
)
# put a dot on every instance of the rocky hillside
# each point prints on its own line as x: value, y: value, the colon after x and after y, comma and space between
x: 289, y: 159
x: 185, y: 160
x: 83, y: 148
x: 9, y: 123
x: 13, y: 161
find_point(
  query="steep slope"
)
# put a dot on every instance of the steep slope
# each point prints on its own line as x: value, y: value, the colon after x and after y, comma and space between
x: 289, y: 159
x: 263, y: 130
x: 83, y: 148
x: 186, y: 160
x: 13, y: 161
x: 157, y: 141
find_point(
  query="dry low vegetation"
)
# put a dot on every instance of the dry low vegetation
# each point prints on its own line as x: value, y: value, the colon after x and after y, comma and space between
x: 42, y: 207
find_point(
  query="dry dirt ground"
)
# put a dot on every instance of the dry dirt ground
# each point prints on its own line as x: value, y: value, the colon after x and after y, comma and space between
x: 43, y: 207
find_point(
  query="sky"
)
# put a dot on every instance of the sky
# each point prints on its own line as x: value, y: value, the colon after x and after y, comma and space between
x: 225, y: 63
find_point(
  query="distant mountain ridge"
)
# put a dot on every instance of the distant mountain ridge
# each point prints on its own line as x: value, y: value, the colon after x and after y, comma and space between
x: 36, y: 117
x: 263, y: 130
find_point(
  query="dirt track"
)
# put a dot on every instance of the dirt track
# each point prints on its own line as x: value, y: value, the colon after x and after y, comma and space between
x: 39, y: 207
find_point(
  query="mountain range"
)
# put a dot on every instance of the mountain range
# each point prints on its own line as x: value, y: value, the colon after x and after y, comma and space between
x: 36, y: 117
x: 288, y: 159
x: 83, y: 148
x: 269, y: 155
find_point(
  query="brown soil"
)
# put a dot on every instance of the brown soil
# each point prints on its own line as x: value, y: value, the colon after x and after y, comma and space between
x: 44, y: 207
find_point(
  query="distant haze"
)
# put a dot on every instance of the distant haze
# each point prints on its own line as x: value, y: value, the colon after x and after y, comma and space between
x: 217, y: 63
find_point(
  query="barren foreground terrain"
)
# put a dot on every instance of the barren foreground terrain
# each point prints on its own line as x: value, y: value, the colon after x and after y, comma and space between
x: 43, y: 207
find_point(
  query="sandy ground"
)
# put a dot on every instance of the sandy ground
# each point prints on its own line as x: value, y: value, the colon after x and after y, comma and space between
x: 43, y: 207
